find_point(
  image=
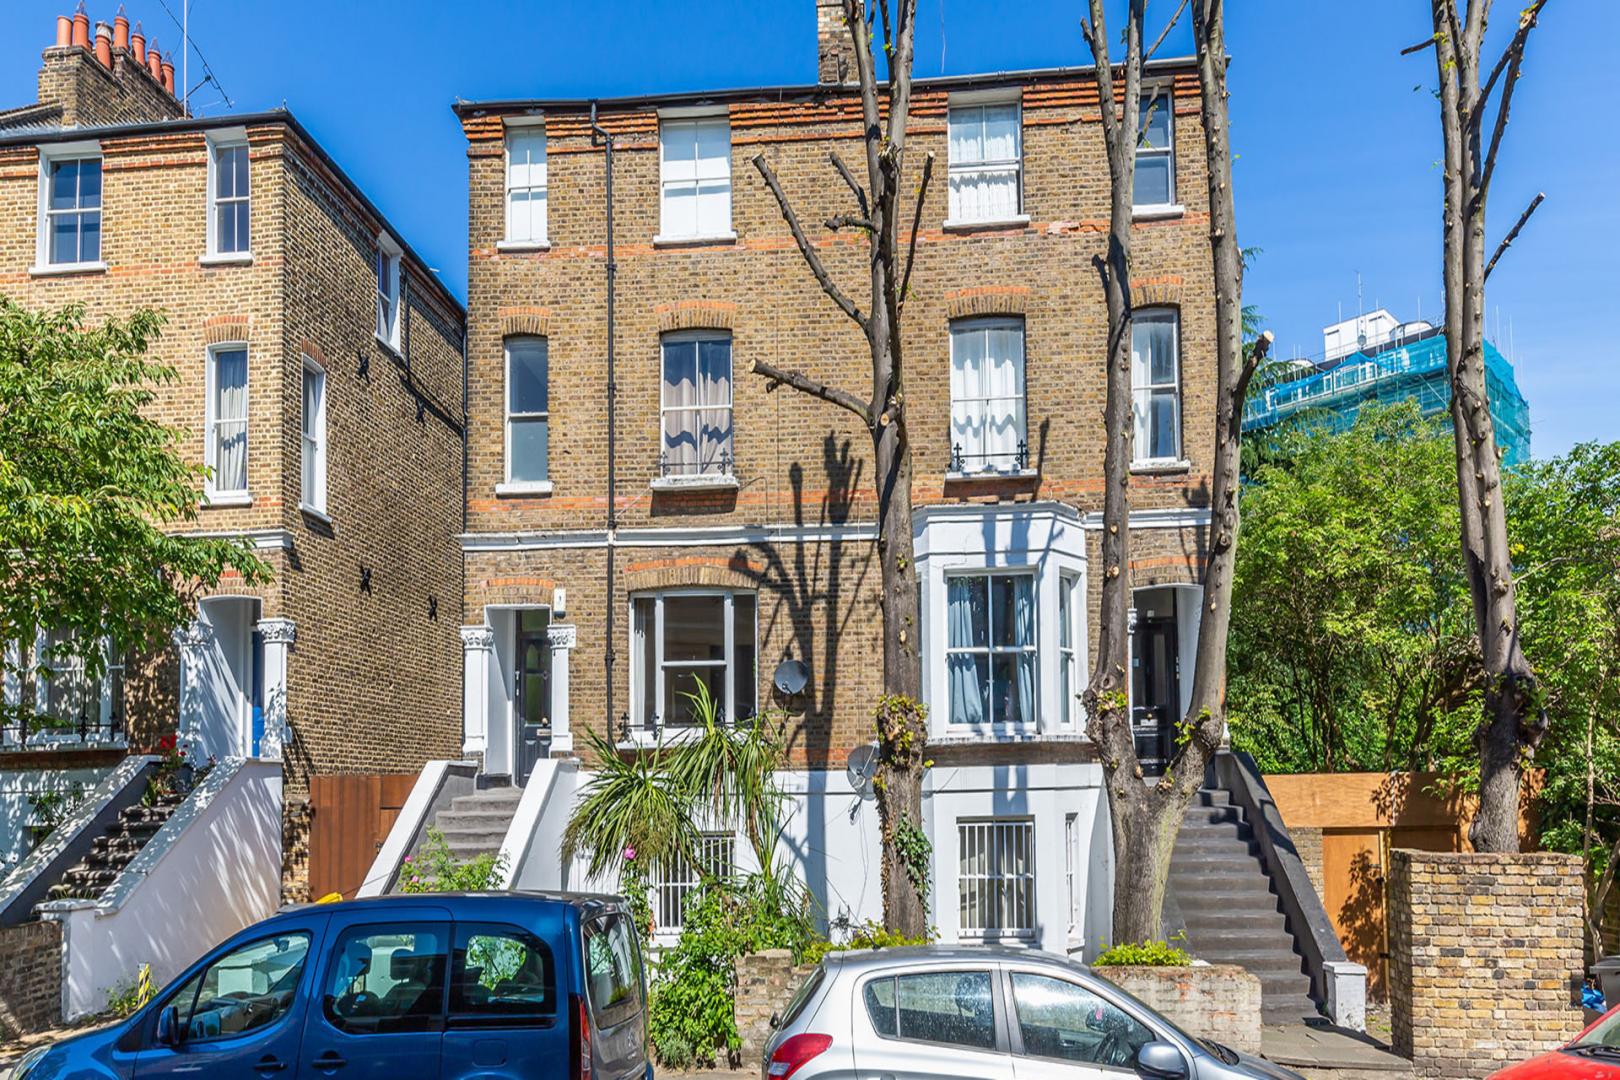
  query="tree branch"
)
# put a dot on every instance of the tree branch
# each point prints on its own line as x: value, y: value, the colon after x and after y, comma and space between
x: 916, y: 225
x: 845, y: 304
x: 1426, y: 43
x: 805, y: 384
x: 1526, y: 20
x: 1169, y: 26
x: 1257, y: 356
x: 1513, y: 233
x: 846, y: 221
x: 849, y: 178
x: 1515, y: 60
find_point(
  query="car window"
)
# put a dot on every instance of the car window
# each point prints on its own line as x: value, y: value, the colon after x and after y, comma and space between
x: 1059, y: 1019
x: 801, y: 997
x: 612, y: 970
x: 246, y: 989
x: 501, y: 977
x: 387, y: 979
x: 950, y: 1007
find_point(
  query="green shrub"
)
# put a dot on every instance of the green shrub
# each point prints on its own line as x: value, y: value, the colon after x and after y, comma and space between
x: 690, y: 1020
x: 867, y: 935
x: 435, y: 869
x: 1146, y: 954
x: 126, y: 997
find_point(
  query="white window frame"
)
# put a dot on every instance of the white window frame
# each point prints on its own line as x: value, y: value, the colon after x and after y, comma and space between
x: 1071, y: 864
x: 218, y: 496
x: 990, y: 649
x: 1151, y: 94
x: 312, y: 442
x: 390, y: 292
x: 510, y: 486
x: 673, y: 119
x: 673, y: 885
x: 639, y: 700
x: 528, y: 127
x: 976, y: 464
x: 112, y: 676
x: 1005, y: 891
x: 977, y: 102
x: 52, y: 155
x: 724, y: 469
x: 1143, y: 392
x: 1069, y: 629
x: 218, y: 142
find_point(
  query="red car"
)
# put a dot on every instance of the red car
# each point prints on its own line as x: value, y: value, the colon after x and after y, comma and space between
x: 1594, y: 1054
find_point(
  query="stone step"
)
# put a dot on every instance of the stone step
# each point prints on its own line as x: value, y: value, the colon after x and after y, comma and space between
x: 1198, y: 920
x: 491, y: 798
x: 475, y: 819
x: 484, y: 839
x: 1216, y: 860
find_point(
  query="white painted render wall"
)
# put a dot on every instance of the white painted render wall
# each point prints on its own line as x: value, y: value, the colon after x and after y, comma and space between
x: 17, y: 785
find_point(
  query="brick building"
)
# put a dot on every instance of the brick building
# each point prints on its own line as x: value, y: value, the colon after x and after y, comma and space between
x: 743, y: 518
x: 319, y: 375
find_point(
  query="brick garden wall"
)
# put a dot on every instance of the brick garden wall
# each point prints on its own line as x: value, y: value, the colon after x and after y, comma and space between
x: 1220, y: 1001
x: 766, y: 982
x: 1484, y: 957
x: 30, y: 978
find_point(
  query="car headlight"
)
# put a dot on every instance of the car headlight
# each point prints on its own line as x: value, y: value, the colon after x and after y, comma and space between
x: 26, y: 1063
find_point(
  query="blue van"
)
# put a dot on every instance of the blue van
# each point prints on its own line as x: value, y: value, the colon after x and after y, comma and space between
x: 452, y: 986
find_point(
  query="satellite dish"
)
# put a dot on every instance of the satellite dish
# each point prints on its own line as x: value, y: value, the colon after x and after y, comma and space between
x: 862, y: 769
x: 791, y: 676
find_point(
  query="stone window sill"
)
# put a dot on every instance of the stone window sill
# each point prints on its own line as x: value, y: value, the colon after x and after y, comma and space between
x: 694, y: 241
x: 991, y: 476
x: 319, y: 515
x: 1017, y: 221
x: 515, y: 247
x: 227, y: 258
x: 389, y: 347
x: 1160, y: 467
x: 60, y: 269
x: 227, y: 500
x: 1158, y: 213
x: 694, y: 483
x: 514, y: 488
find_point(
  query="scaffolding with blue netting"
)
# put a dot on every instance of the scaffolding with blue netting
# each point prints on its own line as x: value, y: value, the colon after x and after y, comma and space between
x: 1413, y: 370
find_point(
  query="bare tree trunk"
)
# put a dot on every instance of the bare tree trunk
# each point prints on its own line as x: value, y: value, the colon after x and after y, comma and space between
x: 1514, y: 721
x: 901, y: 728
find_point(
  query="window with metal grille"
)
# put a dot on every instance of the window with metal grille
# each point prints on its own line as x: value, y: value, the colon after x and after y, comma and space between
x: 987, y: 396
x: 996, y: 877
x: 676, y: 879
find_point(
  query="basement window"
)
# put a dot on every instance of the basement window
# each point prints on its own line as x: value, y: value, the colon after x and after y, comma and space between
x: 675, y: 880
x: 995, y: 875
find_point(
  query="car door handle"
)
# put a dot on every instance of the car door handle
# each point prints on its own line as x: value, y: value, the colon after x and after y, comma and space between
x: 269, y: 1064
x: 330, y: 1061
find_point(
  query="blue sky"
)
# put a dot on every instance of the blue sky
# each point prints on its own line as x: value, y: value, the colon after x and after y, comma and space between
x: 1336, y: 133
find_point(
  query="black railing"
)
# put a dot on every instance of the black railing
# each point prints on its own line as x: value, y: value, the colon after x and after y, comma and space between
x: 995, y: 461
x: 29, y: 731
x: 720, y: 466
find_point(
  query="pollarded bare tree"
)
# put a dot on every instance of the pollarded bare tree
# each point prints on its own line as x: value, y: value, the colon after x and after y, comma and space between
x: 1514, y: 719
x: 877, y: 212
x: 1145, y: 817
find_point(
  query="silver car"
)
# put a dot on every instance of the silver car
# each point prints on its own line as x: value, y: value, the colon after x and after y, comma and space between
x: 983, y: 1013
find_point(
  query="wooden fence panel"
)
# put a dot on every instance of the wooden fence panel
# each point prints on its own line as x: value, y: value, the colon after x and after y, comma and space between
x: 351, y: 814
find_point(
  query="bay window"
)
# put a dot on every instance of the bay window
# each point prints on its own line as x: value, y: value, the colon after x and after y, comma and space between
x: 987, y: 396
x: 226, y: 452
x: 1156, y: 385
x: 990, y: 649
x: 696, y: 404
x: 684, y: 638
x: 986, y: 162
x: 1068, y: 656
x: 695, y: 174
x: 1155, y: 183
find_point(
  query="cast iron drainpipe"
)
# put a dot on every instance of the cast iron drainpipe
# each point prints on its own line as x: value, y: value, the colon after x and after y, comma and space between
x: 601, y: 137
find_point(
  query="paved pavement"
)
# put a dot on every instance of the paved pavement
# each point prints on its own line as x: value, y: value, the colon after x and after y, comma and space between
x: 1322, y: 1049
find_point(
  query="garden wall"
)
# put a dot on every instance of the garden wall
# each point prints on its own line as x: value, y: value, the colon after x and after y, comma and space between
x: 1485, y: 958
x: 30, y: 978
x: 765, y: 984
x: 1215, y: 1001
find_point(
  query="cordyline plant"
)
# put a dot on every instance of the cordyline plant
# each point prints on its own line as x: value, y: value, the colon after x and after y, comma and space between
x: 878, y: 214
x: 92, y: 487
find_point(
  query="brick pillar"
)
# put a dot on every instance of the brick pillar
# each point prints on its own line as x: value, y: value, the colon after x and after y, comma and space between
x: 1485, y: 957
x: 766, y: 982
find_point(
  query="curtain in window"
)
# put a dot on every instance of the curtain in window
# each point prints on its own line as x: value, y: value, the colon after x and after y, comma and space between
x: 968, y: 673
x: 984, y: 162
x: 526, y: 184
x: 1023, y: 634
x: 314, y: 468
x: 696, y: 174
x: 987, y: 394
x: 230, y: 420
x: 697, y: 405
x: 1154, y: 386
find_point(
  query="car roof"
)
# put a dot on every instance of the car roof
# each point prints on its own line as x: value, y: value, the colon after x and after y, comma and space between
x: 858, y: 960
x: 587, y: 904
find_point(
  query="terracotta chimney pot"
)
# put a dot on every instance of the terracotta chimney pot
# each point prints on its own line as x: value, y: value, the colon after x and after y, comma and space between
x: 104, y: 45
x: 154, y: 61
x: 120, y: 30
x: 137, y: 45
x: 168, y: 75
x: 81, y: 27
x: 64, y: 31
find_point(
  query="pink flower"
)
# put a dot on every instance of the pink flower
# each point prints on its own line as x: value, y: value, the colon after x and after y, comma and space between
x: 629, y: 854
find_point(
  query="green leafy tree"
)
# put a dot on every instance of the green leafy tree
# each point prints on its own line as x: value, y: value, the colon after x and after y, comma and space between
x: 93, y: 489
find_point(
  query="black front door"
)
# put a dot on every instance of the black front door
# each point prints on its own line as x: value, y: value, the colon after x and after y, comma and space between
x: 1155, y: 691
x: 533, y: 690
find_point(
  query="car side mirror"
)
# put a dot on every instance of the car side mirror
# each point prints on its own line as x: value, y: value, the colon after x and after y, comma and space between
x: 1161, y: 1061
x: 168, y: 1027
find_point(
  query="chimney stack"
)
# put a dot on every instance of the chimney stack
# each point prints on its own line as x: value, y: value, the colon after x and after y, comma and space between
x: 835, y: 46
x: 92, y: 73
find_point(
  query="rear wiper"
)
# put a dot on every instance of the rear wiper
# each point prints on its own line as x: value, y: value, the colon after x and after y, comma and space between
x: 1592, y: 1050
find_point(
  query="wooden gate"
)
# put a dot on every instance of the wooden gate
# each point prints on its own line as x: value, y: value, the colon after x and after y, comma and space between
x: 351, y: 814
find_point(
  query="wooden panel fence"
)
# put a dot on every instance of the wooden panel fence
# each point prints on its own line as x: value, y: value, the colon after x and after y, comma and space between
x: 351, y: 815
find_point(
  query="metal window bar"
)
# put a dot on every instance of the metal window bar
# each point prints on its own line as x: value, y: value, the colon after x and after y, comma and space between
x: 996, y: 878
x: 720, y: 466
x: 676, y: 880
x: 1019, y: 459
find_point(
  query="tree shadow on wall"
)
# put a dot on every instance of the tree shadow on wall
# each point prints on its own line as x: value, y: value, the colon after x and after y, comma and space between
x: 1361, y: 920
